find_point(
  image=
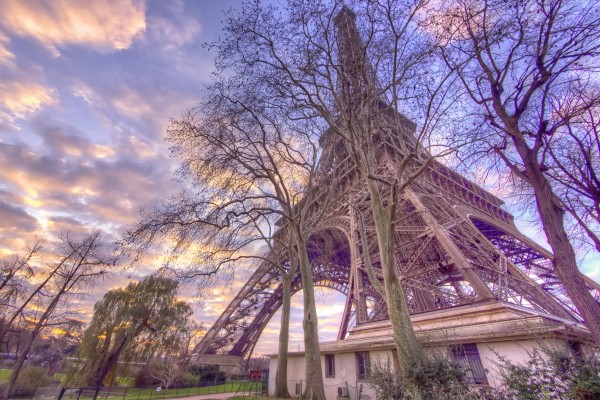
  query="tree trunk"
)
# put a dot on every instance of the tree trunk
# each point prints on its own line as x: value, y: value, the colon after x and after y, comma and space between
x: 407, y: 345
x: 97, y: 379
x: 18, y: 365
x: 565, y: 261
x: 314, y: 377
x: 281, y: 384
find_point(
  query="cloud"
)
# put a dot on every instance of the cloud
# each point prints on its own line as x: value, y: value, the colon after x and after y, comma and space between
x: 106, y: 25
x: 16, y: 219
x: 19, y: 99
x: 6, y: 56
x: 173, y: 33
x: 75, y: 177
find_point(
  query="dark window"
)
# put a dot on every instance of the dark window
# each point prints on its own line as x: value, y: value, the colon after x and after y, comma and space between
x: 467, y: 356
x: 576, y: 350
x: 363, y: 365
x: 329, y: 366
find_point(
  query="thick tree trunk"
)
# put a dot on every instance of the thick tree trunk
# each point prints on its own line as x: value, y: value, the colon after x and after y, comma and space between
x: 281, y: 384
x: 314, y: 377
x: 407, y: 346
x: 565, y: 262
x: 97, y: 379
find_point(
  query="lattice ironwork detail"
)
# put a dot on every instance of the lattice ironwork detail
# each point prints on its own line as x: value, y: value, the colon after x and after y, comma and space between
x: 455, y: 245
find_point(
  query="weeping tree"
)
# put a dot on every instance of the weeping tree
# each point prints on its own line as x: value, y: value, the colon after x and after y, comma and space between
x: 353, y: 73
x: 133, y: 323
x: 530, y: 71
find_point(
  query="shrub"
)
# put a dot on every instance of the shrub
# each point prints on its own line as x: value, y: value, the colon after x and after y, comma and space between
x: 207, y: 375
x: 437, y: 378
x: 144, y: 378
x: 551, y: 373
x: 187, y: 379
x: 29, y: 379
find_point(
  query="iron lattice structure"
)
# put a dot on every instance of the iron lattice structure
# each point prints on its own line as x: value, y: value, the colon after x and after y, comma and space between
x: 455, y: 245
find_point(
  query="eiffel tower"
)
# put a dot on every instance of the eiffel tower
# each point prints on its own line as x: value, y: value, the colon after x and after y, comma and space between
x: 455, y: 245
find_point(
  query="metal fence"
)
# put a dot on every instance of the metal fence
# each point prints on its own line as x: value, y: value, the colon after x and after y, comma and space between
x: 156, y: 393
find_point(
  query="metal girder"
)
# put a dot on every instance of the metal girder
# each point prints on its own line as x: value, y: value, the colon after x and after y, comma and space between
x: 454, y: 244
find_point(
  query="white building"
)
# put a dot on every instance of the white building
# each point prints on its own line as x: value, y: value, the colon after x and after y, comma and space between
x: 473, y: 334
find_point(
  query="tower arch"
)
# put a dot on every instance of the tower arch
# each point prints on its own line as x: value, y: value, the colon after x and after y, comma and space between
x: 238, y: 329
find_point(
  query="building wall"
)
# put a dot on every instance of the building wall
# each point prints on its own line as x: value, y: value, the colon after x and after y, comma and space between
x: 345, y: 366
x: 516, y: 351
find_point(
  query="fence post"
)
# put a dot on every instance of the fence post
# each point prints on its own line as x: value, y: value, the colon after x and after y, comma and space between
x: 125, y: 392
x: 62, y: 392
x: 96, y: 393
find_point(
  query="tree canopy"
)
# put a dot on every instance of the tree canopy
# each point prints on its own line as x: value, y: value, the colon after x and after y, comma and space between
x: 132, y: 323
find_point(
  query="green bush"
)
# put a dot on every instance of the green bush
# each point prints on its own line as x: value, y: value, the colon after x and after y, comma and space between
x: 187, y: 379
x: 29, y: 379
x: 207, y: 375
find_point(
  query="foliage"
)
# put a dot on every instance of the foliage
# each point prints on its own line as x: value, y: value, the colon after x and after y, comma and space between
x: 207, y: 374
x: 436, y: 378
x: 133, y: 322
x: 551, y: 373
x: 30, y: 378
x: 188, y: 380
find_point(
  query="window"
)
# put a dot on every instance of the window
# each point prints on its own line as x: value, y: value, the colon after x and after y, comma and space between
x: 467, y: 356
x: 329, y: 366
x: 576, y: 350
x: 363, y: 365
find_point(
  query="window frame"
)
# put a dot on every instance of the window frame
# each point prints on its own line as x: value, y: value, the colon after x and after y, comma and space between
x: 363, y: 365
x: 467, y: 356
x: 329, y: 365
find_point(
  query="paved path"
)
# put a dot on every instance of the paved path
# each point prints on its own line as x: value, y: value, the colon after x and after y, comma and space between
x: 216, y: 396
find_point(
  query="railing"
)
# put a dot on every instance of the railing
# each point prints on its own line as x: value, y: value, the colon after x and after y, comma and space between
x: 154, y: 393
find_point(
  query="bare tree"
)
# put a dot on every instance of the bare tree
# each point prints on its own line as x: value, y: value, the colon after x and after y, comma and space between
x: 166, y: 371
x: 353, y: 75
x: 572, y: 161
x: 253, y: 168
x: 78, y: 265
x: 14, y: 274
x: 517, y: 61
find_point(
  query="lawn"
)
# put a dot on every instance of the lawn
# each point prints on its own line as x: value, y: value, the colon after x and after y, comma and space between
x: 4, y: 374
x: 151, y: 393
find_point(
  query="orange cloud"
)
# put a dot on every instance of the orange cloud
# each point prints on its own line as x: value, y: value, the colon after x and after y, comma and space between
x: 18, y: 99
x: 103, y: 24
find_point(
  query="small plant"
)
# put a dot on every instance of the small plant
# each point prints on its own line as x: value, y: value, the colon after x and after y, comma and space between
x: 30, y: 378
x: 437, y: 378
x: 551, y: 374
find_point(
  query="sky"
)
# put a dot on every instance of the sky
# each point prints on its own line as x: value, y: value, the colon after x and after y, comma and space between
x: 87, y: 89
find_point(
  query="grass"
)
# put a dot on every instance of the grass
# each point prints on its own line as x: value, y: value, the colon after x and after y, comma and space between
x: 4, y: 374
x: 151, y: 393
